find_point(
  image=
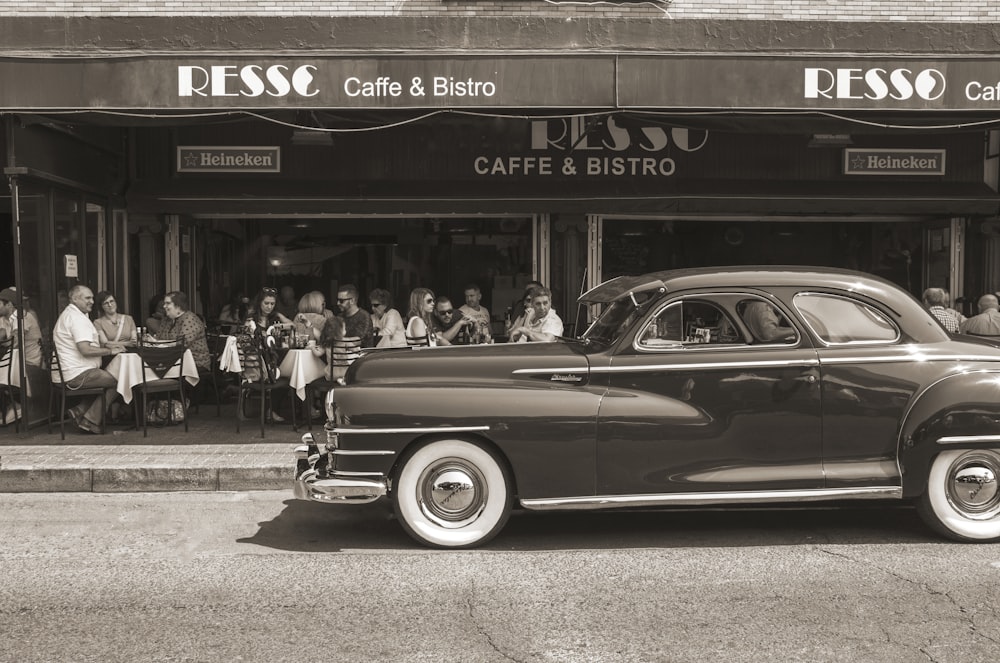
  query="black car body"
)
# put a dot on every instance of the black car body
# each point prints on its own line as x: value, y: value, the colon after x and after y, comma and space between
x: 675, y: 396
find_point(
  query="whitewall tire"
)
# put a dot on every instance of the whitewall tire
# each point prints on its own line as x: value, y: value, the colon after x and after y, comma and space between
x: 452, y: 494
x: 962, y: 500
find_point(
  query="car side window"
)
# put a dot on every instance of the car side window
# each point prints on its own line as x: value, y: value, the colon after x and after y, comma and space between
x: 839, y: 320
x: 690, y: 322
x: 766, y: 323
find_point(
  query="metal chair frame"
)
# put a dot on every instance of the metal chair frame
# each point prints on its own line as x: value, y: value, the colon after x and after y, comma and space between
x: 63, y: 389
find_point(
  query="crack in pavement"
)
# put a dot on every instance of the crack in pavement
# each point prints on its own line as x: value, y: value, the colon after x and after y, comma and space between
x: 470, y: 605
x: 962, y: 610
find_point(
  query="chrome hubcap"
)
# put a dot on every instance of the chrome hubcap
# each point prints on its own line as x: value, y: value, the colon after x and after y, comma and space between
x: 452, y: 492
x: 972, y: 484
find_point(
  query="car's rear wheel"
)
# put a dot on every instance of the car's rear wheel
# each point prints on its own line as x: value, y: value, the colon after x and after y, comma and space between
x: 962, y: 500
x: 452, y: 494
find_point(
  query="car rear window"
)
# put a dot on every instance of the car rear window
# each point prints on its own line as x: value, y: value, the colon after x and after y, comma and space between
x: 840, y: 320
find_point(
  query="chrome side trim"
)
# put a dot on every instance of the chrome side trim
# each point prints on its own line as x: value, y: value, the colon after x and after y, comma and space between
x: 962, y: 439
x: 774, y: 363
x: 414, y: 429
x: 681, y: 499
x: 908, y: 357
x: 361, y: 452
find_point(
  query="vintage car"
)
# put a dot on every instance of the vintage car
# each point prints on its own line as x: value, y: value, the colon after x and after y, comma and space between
x: 722, y: 386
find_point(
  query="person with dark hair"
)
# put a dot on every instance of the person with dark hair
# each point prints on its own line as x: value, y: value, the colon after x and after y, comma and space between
x: 386, y: 321
x: 264, y: 309
x: 234, y: 313
x: 183, y: 324
x: 10, y: 321
x: 356, y: 321
x: 157, y: 315
x: 541, y: 323
x: 114, y: 328
x: 450, y: 326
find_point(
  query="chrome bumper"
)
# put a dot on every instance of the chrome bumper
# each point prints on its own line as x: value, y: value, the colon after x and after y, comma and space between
x: 311, y: 485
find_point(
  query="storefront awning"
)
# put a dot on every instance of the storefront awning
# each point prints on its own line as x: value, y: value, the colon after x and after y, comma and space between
x: 564, y: 82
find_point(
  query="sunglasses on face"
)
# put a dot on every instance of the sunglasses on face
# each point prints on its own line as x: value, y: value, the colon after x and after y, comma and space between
x: 428, y: 301
x: 341, y: 300
x: 448, y: 312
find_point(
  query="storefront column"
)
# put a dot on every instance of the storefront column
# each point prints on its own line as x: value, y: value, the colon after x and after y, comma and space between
x: 541, y: 230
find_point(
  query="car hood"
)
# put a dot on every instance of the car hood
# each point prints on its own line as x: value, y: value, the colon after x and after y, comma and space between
x: 468, y: 363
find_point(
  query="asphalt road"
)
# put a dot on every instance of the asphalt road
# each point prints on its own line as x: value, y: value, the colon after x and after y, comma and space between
x: 259, y: 577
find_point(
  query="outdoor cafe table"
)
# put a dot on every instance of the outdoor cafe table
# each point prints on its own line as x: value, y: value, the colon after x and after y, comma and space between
x: 127, y: 369
x: 300, y: 366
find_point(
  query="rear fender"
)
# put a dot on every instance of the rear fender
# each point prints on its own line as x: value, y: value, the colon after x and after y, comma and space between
x: 961, y: 411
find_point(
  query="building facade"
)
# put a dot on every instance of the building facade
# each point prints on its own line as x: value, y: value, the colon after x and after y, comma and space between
x: 226, y: 146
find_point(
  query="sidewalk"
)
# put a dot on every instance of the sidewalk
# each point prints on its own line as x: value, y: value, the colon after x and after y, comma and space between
x: 211, y: 456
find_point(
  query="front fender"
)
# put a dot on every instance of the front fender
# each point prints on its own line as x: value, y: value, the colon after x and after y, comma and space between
x: 958, y: 411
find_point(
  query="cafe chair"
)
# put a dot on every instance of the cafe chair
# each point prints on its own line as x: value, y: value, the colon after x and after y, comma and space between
x: 160, y: 360
x: 7, y: 369
x: 216, y: 344
x: 254, y: 381
x: 56, y: 373
x: 341, y: 354
x: 418, y: 341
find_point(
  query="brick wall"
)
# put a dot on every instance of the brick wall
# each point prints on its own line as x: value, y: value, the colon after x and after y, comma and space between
x: 777, y: 10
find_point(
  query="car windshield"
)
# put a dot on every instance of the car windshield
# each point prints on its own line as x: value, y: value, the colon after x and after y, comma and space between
x: 616, y: 319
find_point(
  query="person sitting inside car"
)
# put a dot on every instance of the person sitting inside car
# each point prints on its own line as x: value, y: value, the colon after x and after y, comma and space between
x: 765, y: 322
x: 541, y: 323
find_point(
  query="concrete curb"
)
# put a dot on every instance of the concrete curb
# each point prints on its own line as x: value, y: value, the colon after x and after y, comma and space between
x: 137, y: 480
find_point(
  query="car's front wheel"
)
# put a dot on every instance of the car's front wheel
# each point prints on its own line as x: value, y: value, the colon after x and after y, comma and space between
x: 962, y: 500
x: 452, y: 494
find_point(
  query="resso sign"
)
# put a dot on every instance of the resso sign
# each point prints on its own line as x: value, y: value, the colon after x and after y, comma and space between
x: 571, y: 81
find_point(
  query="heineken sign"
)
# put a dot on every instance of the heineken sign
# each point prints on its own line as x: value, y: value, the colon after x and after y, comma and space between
x: 225, y: 159
x: 893, y: 162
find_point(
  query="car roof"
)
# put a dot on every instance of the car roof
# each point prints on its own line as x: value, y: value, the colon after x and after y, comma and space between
x: 798, y: 276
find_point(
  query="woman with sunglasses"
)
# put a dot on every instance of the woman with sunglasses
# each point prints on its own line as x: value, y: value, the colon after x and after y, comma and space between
x: 386, y: 320
x: 420, y: 326
x: 114, y: 328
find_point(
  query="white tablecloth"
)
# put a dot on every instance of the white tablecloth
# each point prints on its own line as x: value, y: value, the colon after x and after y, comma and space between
x: 15, y: 371
x: 301, y: 367
x: 127, y: 369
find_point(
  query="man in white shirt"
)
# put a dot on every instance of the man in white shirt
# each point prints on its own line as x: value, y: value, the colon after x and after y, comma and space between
x: 75, y: 339
x: 541, y: 322
x: 987, y: 323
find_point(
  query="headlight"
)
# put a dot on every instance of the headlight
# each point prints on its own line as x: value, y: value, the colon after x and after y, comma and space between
x: 331, y: 406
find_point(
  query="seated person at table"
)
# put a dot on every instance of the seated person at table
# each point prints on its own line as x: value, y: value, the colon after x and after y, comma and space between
x: 10, y: 321
x: 183, y: 325
x: 310, y: 320
x: 263, y: 310
x: 356, y: 321
x: 420, y: 318
x: 234, y: 313
x: 478, y: 313
x: 157, y: 316
x: 386, y: 321
x: 541, y: 323
x: 449, y: 325
x: 766, y: 323
x: 114, y: 328
x: 76, y: 341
